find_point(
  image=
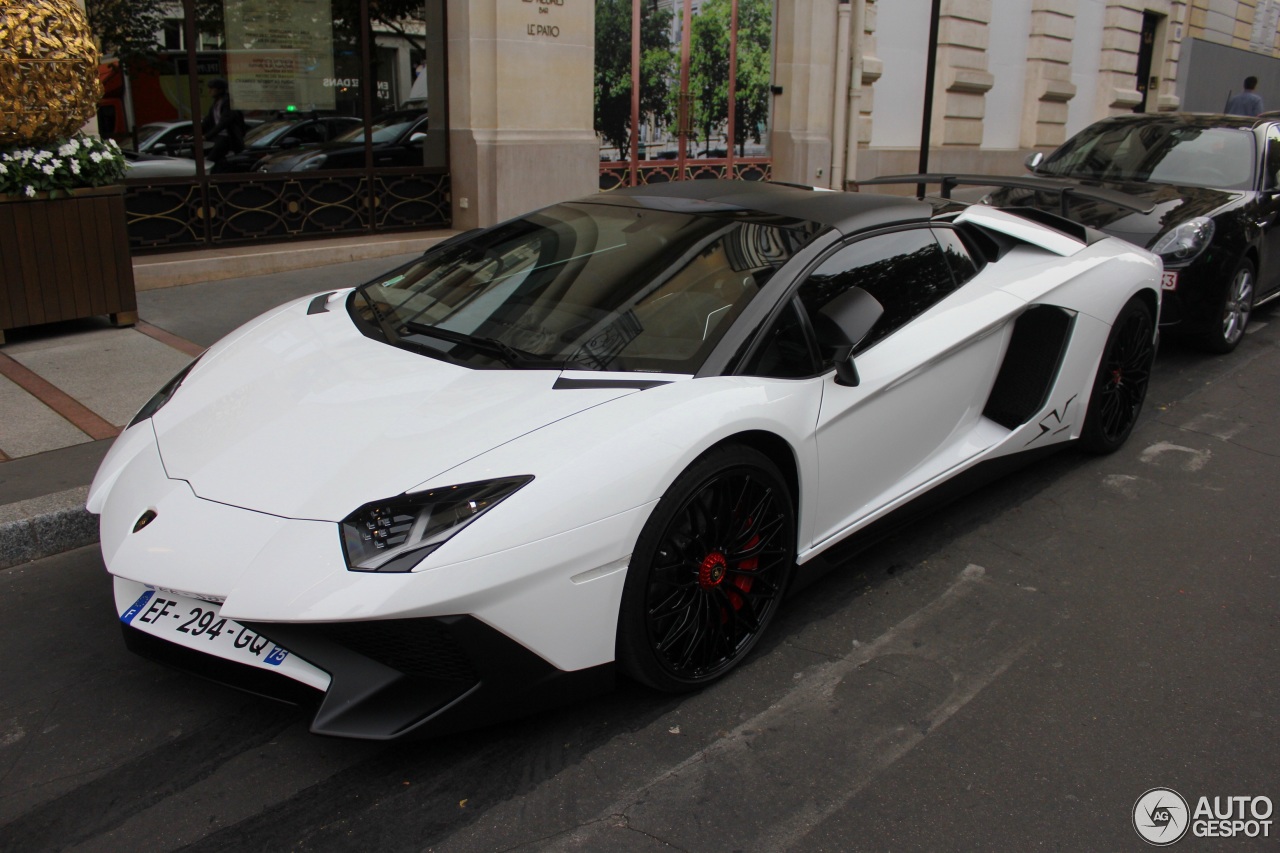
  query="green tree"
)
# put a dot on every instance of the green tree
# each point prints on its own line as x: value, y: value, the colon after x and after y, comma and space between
x: 709, y: 68
x: 613, y: 68
x: 126, y: 28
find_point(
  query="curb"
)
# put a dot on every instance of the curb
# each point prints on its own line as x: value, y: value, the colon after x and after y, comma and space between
x: 42, y: 527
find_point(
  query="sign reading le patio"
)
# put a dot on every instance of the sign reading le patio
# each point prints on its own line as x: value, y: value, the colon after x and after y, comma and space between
x: 543, y: 30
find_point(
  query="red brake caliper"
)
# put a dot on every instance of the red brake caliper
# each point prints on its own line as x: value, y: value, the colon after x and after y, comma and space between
x: 748, y: 565
x: 714, y: 567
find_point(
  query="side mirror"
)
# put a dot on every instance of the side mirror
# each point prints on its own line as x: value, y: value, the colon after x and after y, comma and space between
x: 1033, y: 161
x: 159, y: 148
x: 290, y: 142
x: 841, y: 324
x: 417, y: 136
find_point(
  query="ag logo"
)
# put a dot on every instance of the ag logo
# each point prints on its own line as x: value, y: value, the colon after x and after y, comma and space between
x: 1161, y: 816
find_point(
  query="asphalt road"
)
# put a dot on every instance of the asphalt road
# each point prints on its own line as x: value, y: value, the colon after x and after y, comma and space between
x: 1011, y: 673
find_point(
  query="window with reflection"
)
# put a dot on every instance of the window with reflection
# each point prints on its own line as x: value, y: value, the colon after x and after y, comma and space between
x: 277, y: 88
x: 906, y: 271
x: 589, y: 286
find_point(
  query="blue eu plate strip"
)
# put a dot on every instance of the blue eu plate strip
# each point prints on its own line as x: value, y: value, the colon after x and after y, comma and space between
x: 137, y: 607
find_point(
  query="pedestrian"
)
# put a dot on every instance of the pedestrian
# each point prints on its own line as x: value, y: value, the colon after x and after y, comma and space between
x: 1248, y: 102
x: 222, y: 125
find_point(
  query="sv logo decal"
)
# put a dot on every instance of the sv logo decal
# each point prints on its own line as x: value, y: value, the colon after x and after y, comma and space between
x: 1054, y: 422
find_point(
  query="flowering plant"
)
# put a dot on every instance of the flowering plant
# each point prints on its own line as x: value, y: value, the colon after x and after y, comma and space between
x: 59, y: 167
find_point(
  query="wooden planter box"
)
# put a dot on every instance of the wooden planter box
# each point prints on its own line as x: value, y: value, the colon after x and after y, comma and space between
x: 65, y: 258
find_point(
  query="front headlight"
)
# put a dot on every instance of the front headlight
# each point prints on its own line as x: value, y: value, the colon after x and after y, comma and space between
x: 156, y: 403
x: 396, y: 534
x: 1185, y: 242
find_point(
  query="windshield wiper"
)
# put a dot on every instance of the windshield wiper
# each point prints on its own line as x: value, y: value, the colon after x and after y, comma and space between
x: 505, y: 353
x: 378, y: 316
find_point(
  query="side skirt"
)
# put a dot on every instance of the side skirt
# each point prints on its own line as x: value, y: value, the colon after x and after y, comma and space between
x: 967, y: 481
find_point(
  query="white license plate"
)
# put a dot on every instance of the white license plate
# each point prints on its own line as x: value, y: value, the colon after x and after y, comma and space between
x: 1169, y: 280
x: 200, y: 625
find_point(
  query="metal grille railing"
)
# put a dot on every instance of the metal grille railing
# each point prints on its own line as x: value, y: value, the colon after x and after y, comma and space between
x: 178, y: 213
x: 615, y: 175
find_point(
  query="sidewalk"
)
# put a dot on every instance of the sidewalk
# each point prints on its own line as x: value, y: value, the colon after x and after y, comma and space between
x: 67, y: 389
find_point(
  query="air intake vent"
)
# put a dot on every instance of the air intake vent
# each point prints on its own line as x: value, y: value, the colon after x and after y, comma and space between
x: 1030, y: 366
x: 418, y: 647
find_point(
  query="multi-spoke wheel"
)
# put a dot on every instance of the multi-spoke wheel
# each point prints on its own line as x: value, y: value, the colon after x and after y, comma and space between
x: 708, y: 571
x: 1121, y: 383
x: 1233, y: 313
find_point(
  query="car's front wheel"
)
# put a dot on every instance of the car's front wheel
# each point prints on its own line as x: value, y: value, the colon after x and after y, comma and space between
x: 708, y: 571
x: 1232, y: 317
x: 1120, y: 385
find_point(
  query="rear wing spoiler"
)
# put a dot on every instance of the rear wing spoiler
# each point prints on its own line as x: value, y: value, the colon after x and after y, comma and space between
x: 1064, y: 189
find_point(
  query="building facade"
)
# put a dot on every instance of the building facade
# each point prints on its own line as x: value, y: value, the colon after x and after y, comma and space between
x: 1015, y: 76
x: 504, y: 89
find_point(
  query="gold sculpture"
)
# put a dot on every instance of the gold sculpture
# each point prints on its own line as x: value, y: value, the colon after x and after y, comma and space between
x: 49, y: 83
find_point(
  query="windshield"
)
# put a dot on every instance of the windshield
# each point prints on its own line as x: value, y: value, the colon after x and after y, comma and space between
x: 586, y: 286
x: 148, y: 133
x: 265, y: 134
x: 1160, y: 152
x: 387, y: 130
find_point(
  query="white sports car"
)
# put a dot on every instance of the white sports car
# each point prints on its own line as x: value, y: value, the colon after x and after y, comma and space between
x: 609, y: 434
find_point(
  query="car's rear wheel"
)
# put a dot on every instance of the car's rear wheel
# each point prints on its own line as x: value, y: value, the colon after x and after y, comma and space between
x: 708, y: 571
x: 1224, y: 334
x: 1121, y: 382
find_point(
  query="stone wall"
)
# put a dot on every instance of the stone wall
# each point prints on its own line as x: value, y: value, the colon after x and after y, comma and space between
x: 521, y: 101
x: 521, y: 135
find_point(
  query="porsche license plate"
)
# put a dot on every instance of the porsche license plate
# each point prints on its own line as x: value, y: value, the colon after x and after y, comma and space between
x: 200, y: 625
x: 1169, y: 280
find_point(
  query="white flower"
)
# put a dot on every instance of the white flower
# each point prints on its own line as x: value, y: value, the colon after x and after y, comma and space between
x: 48, y: 169
x: 30, y: 191
x: 112, y: 143
x: 75, y: 167
x: 4, y: 170
x: 41, y: 156
x: 95, y: 157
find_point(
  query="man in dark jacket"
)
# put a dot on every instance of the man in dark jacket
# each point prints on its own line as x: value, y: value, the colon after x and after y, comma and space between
x: 222, y: 126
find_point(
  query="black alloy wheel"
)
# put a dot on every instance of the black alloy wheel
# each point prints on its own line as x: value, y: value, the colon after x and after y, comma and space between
x: 1121, y: 383
x: 708, y: 571
x: 1225, y: 333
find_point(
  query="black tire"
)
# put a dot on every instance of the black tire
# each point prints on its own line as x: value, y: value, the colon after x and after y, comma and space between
x: 1121, y: 382
x: 1232, y: 317
x: 708, y: 572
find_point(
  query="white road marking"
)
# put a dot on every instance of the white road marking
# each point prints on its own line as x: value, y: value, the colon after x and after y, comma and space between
x: 1193, y: 461
x: 1125, y: 484
x: 12, y: 733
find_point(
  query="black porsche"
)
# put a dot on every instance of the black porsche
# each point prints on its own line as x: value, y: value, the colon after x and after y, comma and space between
x: 1212, y: 184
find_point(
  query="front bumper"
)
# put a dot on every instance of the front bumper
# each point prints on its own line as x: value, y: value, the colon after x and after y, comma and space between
x: 452, y: 646
x: 393, y: 678
x: 1194, y: 306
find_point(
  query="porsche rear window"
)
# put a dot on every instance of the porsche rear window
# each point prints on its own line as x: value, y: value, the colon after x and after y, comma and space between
x: 587, y: 286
